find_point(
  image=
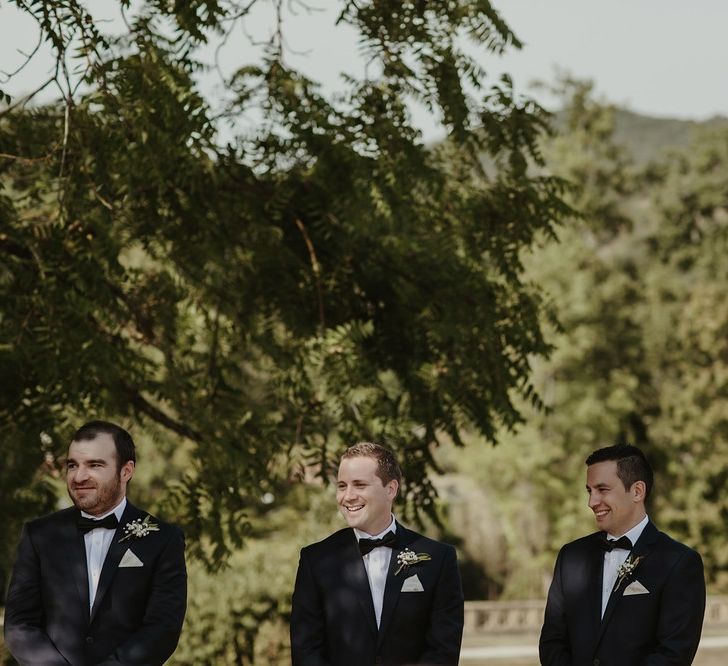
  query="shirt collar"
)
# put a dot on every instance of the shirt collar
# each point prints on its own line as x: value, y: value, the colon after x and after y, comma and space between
x: 363, y: 535
x: 635, y: 532
x: 118, y: 511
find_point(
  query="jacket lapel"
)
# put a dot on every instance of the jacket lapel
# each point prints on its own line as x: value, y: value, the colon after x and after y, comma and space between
x: 113, y: 556
x: 355, y: 577
x: 393, y: 587
x: 641, y: 549
x: 75, y: 550
x: 596, y: 575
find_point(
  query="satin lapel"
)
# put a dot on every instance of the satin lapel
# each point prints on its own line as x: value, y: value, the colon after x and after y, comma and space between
x: 75, y: 550
x: 641, y: 549
x: 596, y: 577
x: 393, y: 587
x: 355, y: 577
x: 114, y: 555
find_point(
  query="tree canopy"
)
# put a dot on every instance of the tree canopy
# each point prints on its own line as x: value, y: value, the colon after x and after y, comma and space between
x: 323, y: 277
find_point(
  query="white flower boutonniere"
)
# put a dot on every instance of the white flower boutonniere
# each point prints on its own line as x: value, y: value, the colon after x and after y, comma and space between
x: 627, y: 569
x: 407, y: 558
x: 139, y: 528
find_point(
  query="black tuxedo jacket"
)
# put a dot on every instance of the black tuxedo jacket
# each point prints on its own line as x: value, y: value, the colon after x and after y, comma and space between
x: 656, y: 628
x: 138, y: 610
x: 333, y: 621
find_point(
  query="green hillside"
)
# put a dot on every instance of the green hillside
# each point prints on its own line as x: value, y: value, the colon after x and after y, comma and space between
x: 649, y: 138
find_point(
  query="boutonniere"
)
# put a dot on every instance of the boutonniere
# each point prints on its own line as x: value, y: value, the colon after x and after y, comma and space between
x: 627, y: 569
x: 139, y: 528
x: 407, y: 558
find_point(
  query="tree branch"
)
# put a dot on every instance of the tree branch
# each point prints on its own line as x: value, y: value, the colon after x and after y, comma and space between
x: 28, y: 58
x: 316, y: 267
x: 141, y: 404
x: 23, y: 101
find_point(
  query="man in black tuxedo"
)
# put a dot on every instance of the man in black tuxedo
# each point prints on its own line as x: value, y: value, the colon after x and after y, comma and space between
x: 627, y: 595
x: 101, y: 582
x: 375, y: 592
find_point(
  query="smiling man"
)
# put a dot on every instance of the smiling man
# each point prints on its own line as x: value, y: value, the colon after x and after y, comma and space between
x: 627, y: 595
x: 101, y: 582
x: 375, y: 592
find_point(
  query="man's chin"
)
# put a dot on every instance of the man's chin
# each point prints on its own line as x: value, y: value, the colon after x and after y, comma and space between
x: 352, y: 520
x: 83, y: 503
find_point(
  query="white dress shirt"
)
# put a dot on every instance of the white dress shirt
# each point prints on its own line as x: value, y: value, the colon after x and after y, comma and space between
x: 98, y: 541
x: 615, y: 559
x: 376, y: 562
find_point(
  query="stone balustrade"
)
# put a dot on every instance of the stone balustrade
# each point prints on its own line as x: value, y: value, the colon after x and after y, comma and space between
x: 716, y: 612
x: 504, y: 617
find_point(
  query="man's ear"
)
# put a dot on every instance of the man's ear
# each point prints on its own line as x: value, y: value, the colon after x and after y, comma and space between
x: 392, y: 488
x: 639, y: 491
x: 127, y: 471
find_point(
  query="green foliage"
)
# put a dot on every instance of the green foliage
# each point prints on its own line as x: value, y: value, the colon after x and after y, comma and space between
x: 321, y: 279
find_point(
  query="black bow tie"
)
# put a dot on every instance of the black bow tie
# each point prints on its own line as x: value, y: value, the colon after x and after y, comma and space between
x: 368, y: 545
x: 88, y: 524
x: 610, y: 544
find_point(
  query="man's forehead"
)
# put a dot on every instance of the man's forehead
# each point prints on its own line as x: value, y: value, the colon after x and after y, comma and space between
x: 601, y: 472
x: 358, y: 466
x: 101, y: 446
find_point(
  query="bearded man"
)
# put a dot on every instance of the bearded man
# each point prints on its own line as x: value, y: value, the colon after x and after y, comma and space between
x: 102, y: 582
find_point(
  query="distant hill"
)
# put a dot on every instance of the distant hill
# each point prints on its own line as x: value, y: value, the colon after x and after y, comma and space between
x: 648, y: 138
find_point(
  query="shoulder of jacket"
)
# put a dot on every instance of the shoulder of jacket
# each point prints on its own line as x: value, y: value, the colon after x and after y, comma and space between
x: 420, y: 542
x: 587, y: 541
x: 672, y: 546
x: 55, y: 518
x: 428, y: 542
x: 338, y: 538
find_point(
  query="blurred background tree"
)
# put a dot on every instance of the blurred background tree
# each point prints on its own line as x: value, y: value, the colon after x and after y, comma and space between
x: 636, y: 285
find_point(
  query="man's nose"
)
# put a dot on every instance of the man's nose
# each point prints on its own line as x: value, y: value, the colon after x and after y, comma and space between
x: 80, y: 473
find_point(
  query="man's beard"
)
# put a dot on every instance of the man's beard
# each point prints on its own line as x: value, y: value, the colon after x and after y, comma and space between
x: 99, y: 500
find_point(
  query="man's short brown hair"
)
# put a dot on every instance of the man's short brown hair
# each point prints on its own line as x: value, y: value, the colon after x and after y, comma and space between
x: 387, y: 465
x: 124, y: 444
x: 632, y: 465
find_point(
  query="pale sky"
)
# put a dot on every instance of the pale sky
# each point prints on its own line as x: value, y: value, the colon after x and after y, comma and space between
x: 659, y: 57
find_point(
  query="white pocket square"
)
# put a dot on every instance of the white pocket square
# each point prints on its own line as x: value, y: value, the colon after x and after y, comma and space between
x: 130, y: 560
x: 635, y: 587
x: 412, y: 584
